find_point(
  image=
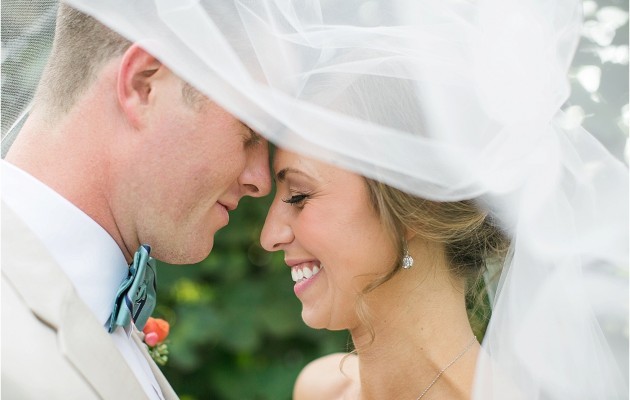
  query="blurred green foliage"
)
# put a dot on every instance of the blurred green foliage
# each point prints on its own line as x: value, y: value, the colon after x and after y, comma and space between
x: 236, y: 328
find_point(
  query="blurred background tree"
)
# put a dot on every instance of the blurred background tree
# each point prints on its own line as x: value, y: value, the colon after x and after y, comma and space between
x: 236, y: 329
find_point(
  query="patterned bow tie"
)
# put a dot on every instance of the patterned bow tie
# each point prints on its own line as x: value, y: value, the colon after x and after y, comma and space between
x: 136, y: 297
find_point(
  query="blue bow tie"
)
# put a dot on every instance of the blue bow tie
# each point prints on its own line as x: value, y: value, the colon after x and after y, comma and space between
x: 135, y: 299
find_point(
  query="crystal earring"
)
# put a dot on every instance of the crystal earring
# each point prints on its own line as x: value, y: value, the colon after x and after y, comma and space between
x: 407, y: 260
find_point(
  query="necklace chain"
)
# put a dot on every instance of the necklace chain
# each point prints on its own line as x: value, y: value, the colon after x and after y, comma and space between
x: 460, y: 355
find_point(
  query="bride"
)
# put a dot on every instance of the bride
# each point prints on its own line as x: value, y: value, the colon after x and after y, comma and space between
x: 403, y: 126
x: 391, y: 268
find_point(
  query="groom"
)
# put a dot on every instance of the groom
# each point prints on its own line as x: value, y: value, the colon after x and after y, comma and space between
x: 117, y: 152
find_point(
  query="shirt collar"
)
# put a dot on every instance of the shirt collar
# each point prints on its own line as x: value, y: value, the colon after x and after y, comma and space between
x: 87, y: 254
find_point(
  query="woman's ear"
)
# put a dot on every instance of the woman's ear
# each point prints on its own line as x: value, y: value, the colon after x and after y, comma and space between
x: 409, y: 235
x: 136, y: 80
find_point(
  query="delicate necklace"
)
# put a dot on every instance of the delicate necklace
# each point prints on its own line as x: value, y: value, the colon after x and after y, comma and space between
x: 460, y: 355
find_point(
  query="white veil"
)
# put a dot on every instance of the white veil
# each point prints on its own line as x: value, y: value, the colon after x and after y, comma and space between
x: 448, y: 100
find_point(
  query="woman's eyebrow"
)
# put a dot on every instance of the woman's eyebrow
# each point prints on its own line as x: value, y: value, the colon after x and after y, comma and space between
x: 282, y: 174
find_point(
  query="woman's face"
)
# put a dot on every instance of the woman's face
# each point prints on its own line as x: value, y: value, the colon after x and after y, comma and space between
x: 331, y: 235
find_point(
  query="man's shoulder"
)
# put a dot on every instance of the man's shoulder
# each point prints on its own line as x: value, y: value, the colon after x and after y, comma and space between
x: 32, y: 363
x: 328, y: 377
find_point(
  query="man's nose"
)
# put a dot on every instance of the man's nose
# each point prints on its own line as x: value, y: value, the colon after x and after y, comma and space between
x: 256, y: 177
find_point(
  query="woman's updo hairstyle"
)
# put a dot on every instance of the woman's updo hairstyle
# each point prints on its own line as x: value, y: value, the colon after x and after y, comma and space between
x: 469, y: 236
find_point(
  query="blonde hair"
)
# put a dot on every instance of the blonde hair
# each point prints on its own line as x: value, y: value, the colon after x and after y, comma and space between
x: 469, y: 236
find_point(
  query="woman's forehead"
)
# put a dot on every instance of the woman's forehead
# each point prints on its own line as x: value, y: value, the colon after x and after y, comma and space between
x: 287, y: 162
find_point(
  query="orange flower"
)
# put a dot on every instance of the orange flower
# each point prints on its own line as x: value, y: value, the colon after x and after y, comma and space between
x: 155, y: 331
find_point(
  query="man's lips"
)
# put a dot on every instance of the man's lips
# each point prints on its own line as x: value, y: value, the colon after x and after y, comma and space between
x: 228, y: 206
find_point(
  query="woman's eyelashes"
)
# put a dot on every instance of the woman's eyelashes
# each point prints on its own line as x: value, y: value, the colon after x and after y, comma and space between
x: 297, y: 199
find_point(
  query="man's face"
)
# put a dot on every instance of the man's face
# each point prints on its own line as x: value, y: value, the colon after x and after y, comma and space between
x: 194, y: 163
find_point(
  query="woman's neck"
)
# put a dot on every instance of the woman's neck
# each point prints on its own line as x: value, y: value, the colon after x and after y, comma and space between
x: 420, y: 329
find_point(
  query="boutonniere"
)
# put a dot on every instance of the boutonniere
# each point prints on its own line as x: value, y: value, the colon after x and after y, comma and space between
x: 155, y: 333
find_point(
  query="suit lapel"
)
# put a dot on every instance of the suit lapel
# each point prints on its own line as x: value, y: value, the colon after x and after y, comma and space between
x: 47, y: 291
x: 167, y: 390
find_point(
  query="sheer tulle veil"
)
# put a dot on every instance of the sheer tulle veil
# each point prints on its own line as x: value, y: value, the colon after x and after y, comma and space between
x: 448, y: 100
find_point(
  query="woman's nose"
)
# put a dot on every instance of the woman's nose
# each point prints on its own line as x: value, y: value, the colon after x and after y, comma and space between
x: 276, y: 232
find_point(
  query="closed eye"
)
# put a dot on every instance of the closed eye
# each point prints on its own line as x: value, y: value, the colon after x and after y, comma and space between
x: 297, y: 199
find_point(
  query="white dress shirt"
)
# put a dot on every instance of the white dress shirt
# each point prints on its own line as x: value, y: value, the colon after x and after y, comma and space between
x: 86, y: 253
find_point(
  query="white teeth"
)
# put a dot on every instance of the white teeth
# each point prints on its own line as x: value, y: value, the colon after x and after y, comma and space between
x: 304, y: 272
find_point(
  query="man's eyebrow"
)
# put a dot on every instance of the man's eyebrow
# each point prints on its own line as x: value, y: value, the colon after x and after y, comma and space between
x: 255, y: 136
x: 282, y: 174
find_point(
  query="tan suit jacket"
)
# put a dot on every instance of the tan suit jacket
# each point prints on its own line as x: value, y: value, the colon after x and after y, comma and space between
x: 53, y: 347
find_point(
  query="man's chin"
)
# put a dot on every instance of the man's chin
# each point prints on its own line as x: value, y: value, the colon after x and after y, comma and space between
x: 186, y: 254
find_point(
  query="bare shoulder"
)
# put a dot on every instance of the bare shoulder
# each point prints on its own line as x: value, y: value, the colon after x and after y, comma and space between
x: 328, y: 377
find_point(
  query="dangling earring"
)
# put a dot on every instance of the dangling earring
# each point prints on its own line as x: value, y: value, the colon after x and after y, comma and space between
x: 407, y: 260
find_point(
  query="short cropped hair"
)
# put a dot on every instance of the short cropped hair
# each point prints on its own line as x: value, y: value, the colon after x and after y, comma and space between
x: 81, y: 48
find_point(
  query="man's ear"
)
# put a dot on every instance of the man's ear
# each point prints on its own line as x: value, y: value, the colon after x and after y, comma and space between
x: 136, y: 76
